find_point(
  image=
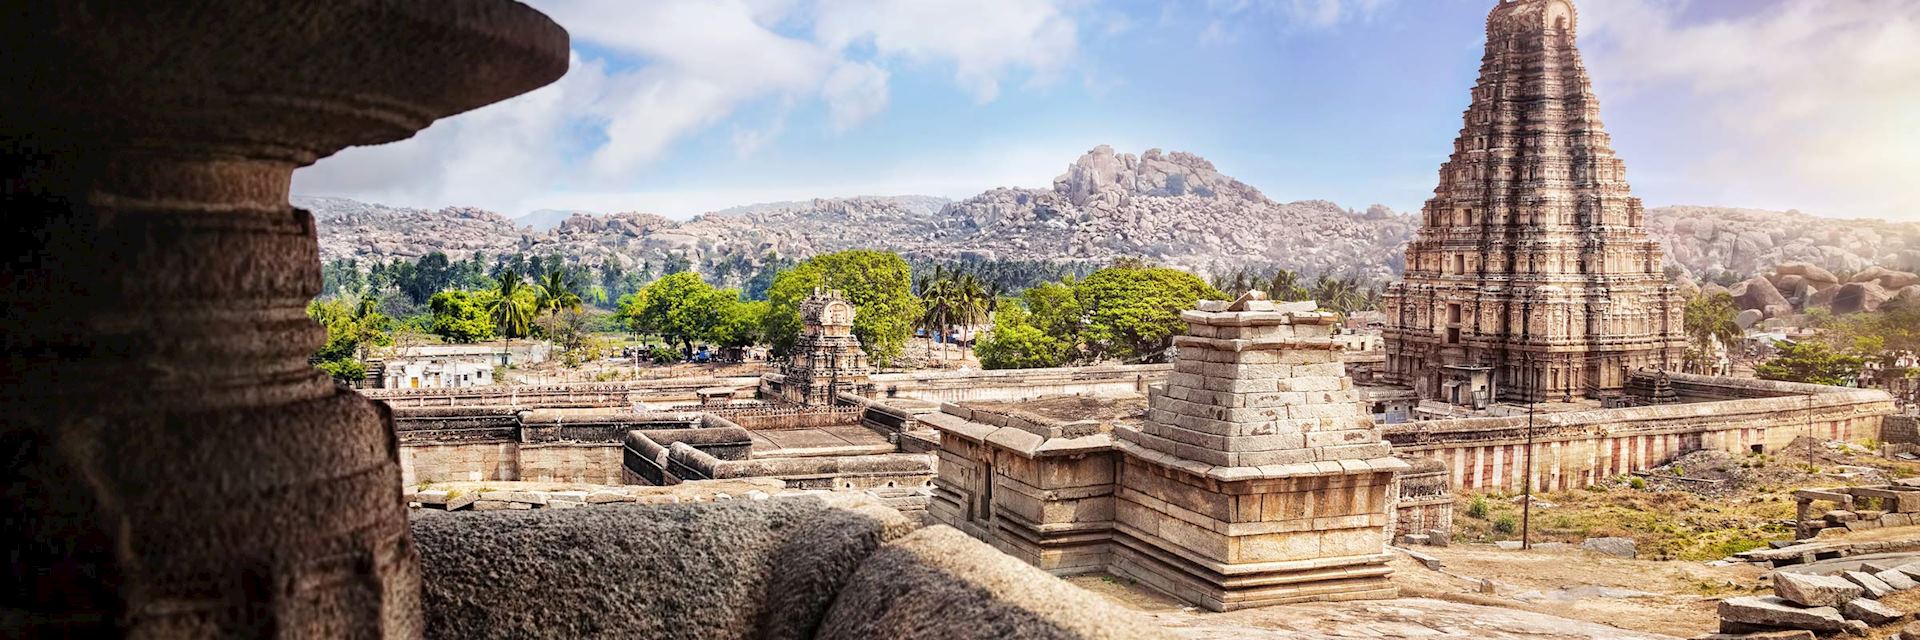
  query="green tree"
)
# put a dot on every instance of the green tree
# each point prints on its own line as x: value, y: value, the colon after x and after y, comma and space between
x: 554, y: 293
x: 461, y: 316
x: 680, y: 308
x: 739, y: 322
x: 1709, y: 320
x: 1015, y: 343
x: 1339, y: 294
x: 879, y: 285
x: 1285, y: 286
x: 1812, y: 362
x: 1132, y: 312
x: 352, y: 329
x: 512, y: 308
x: 969, y: 302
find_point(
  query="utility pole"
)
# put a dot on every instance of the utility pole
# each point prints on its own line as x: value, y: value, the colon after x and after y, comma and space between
x: 1526, y: 486
x: 1810, y: 441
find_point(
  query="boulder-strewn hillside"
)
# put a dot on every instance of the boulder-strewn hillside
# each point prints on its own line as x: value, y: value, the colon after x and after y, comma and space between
x: 1172, y: 208
x: 1748, y: 242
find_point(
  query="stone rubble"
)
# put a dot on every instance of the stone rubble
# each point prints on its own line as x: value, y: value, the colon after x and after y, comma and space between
x: 1813, y: 590
x: 1874, y: 587
x: 1846, y: 602
x: 1774, y: 612
x: 1870, y: 611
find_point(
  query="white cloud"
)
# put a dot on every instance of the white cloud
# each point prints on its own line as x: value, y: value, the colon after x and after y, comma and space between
x: 659, y: 71
x: 1807, y: 103
x: 855, y: 91
x: 486, y: 157
x: 1227, y: 20
x: 982, y: 39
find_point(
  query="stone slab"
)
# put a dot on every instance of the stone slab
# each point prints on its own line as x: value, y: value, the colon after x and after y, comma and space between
x: 1870, y: 612
x: 1814, y: 590
x: 1777, y: 612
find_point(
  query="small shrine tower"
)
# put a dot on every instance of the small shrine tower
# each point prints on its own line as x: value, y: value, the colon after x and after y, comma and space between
x: 827, y: 359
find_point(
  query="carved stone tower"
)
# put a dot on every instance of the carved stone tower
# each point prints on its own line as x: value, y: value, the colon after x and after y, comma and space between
x: 1532, y: 277
x: 828, y: 358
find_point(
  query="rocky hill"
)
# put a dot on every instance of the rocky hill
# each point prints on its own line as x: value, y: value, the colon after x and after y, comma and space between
x: 1746, y: 242
x: 1171, y: 208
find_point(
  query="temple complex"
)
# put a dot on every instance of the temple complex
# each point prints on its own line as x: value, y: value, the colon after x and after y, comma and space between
x: 1532, y: 277
x: 827, y: 359
x: 1255, y: 479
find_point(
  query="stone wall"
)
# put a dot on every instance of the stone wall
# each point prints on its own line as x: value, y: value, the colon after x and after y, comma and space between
x: 1036, y: 489
x: 1900, y: 430
x: 1020, y: 384
x: 880, y: 416
x: 1576, y: 449
x: 572, y: 395
x: 594, y: 462
x: 1425, y: 499
x: 760, y: 418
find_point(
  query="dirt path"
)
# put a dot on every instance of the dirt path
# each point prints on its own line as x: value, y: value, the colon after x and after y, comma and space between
x: 1537, y: 594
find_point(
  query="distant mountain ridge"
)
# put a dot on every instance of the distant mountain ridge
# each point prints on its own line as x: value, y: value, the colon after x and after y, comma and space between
x: 1171, y: 208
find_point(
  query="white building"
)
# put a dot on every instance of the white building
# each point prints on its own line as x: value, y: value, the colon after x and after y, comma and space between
x: 453, y: 365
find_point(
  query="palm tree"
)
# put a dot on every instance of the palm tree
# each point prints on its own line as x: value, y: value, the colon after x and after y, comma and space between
x: 1333, y: 293
x: 969, y: 301
x: 1708, y: 319
x: 554, y: 293
x: 1286, y: 287
x: 509, y: 312
x: 933, y: 295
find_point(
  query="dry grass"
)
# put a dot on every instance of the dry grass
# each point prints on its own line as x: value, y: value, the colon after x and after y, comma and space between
x: 1672, y: 524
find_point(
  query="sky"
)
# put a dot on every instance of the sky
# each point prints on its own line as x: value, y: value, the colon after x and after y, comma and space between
x: 679, y: 107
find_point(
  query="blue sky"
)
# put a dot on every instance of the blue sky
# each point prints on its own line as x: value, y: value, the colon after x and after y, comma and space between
x: 684, y: 106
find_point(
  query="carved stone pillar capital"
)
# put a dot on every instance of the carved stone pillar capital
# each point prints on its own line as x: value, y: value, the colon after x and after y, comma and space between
x: 177, y: 468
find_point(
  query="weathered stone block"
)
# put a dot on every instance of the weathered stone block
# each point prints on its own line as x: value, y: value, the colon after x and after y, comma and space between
x: 1354, y: 451
x: 1870, y: 612
x: 1874, y: 587
x: 1777, y: 612
x: 1815, y: 590
x: 1899, y: 581
x: 604, y: 497
x: 1277, y: 457
x: 499, y: 505
x: 1616, y: 547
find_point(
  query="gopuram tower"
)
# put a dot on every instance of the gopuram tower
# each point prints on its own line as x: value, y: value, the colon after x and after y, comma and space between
x: 1532, y: 277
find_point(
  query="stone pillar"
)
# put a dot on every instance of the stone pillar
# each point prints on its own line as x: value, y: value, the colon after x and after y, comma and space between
x: 1257, y: 478
x: 175, y: 467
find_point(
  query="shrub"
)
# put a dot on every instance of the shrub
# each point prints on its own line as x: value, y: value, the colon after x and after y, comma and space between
x: 1636, y: 482
x: 1679, y: 470
x: 1505, y: 524
x: 1477, y: 509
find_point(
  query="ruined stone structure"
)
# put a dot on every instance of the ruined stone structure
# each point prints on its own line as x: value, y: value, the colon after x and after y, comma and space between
x: 1574, y: 449
x: 1533, y: 277
x: 828, y: 359
x: 1255, y: 479
x: 178, y: 470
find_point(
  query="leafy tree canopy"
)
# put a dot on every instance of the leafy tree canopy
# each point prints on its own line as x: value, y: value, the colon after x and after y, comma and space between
x: 461, y: 316
x: 879, y: 285
x: 1133, y: 312
x: 682, y: 308
x: 1811, y: 362
x: 1016, y: 343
